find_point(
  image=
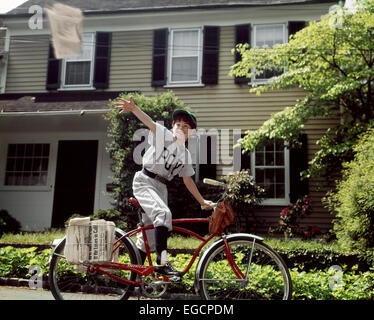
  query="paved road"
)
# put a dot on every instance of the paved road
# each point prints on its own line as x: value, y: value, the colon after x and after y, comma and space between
x: 24, y: 293
x: 17, y: 293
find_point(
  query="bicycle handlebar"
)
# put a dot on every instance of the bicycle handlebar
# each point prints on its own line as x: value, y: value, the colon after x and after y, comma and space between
x: 214, y: 182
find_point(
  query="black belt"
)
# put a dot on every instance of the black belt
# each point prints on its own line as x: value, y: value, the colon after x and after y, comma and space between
x: 155, y: 176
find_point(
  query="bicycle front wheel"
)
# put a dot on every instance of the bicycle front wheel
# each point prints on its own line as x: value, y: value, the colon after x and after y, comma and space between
x: 69, y: 282
x: 266, y: 276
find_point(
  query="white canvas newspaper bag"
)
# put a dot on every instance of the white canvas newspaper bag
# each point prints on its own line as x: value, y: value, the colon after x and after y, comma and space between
x: 66, y: 28
x: 89, y: 241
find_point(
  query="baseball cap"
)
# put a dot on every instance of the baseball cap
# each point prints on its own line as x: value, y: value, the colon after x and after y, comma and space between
x: 186, y: 113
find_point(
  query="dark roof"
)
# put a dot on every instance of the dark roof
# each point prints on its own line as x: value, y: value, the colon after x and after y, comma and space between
x: 56, y: 101
x: 105, y: 6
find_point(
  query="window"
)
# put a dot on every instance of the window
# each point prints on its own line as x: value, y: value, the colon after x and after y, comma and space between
x: 270, y: 167
x: 185, y: 56
x: 27, y: 165
x: 78, y: 71
x: 268, y: 35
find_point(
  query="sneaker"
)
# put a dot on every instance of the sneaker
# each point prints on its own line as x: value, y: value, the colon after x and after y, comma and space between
x: 167, y: 270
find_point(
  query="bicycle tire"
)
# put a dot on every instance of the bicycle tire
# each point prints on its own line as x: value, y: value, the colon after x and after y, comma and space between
x: 268, y: 275
x: 67, y: 283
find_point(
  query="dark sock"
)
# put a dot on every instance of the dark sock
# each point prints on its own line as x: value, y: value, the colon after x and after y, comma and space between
x: 161, y: 238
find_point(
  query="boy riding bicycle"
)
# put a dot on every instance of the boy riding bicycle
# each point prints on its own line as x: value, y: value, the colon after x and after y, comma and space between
x: 166, y: 158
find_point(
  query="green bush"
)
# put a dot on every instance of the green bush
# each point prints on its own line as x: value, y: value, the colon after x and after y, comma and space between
x: 8, y: 224
x: 353, y: 201
x: 244, y: 194
x: 16, y: 262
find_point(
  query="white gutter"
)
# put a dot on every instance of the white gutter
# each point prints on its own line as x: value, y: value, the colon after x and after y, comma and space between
x: 53, y: 113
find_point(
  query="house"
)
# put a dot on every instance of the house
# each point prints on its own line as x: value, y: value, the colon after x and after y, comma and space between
x: 53, y: 160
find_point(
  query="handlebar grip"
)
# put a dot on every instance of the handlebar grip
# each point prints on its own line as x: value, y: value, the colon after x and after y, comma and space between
x: 212, y: 182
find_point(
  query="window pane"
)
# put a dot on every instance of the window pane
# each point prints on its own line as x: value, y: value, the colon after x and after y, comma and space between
x: 10, y: 164
x: 279, y: 191
x: 185, y: 43
x: 25, y: 163
x: 29, y: 150
x: 12, y: 150
x: 279, y: 158
x: 45, y: 150
x: 268, y: 36
x: 269, y: 159
x: 87, y: 48
x: 20, y: 150
x: 184, y: 69
x: 270, y: 169
x: 259, y: 158
x: 28, y: 164
x: 78, y: 72
x: 37, y: 150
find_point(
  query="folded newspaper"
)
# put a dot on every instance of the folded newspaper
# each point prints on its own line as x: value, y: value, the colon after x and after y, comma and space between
x: 90, y: 241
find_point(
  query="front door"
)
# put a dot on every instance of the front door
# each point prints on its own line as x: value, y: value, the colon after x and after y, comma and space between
x: 75, y: 180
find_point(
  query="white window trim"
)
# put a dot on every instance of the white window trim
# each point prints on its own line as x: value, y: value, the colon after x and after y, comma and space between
x: 197, y: 82
x: 255, y: 81
x: 88, y: 86
x: 273, y: 201
x: 20, y: 188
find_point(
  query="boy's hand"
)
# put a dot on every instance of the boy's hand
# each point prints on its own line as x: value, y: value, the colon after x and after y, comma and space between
x: 207, y: 205
x: 125, y: 105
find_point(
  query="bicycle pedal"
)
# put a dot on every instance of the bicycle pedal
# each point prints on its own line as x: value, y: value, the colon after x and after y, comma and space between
x: 174, y: 279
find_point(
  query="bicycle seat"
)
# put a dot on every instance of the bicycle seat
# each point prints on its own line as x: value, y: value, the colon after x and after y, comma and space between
x: 134, y: 202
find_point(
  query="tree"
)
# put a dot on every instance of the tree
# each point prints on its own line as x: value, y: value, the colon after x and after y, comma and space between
x: 332, y: 60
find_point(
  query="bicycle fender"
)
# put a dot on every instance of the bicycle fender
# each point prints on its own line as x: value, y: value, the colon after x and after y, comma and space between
x: 216, y: 244
x: 131, y: 243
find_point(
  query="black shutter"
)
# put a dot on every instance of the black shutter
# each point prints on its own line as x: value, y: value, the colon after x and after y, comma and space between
x: 245, y: 160
x: 208, y: 164
x: 102, y: 59
x: 298, y: 163
x: 159, y: 58
x: 210, y: 55
x: 53, y: 80
x: 242, y: 35
x: 295, y: 26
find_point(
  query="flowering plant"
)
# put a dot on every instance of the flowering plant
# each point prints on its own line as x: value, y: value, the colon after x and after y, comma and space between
x: 289, y: 216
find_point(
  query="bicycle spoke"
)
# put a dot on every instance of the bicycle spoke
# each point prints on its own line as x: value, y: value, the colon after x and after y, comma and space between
x: 70, y: 282
x: 266, y: 277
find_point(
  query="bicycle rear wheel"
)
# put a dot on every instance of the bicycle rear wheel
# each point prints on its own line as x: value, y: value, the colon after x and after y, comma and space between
x: 268, y: 276
x: 67, y: 282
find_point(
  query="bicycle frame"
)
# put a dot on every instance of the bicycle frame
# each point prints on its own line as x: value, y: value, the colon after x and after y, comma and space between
x: 146, y: 270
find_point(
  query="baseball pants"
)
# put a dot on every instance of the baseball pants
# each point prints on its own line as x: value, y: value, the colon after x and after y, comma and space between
x: 152, y: 196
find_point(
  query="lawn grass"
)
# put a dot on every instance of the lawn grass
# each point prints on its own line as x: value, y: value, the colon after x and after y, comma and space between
x: 43, y: 238
x: 175, y: 241
x: 47, y: 237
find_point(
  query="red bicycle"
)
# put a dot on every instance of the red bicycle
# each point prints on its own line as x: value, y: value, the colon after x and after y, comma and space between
x: 235, y: 266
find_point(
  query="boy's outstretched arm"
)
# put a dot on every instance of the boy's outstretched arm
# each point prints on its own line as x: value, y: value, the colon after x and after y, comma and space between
x: 129, y: 106
x: 191, y: 186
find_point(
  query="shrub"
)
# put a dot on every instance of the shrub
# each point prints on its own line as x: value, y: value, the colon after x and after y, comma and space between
x: 243, y: 195
x: 8, y: 224
x: 111, y: 215
x: 290, y: 216
x: 353, y: 201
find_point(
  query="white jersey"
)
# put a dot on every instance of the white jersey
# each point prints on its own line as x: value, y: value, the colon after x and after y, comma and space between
x: 165, y: 157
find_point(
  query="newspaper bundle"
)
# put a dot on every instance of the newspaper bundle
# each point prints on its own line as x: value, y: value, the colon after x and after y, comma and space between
x: 90, y: 241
